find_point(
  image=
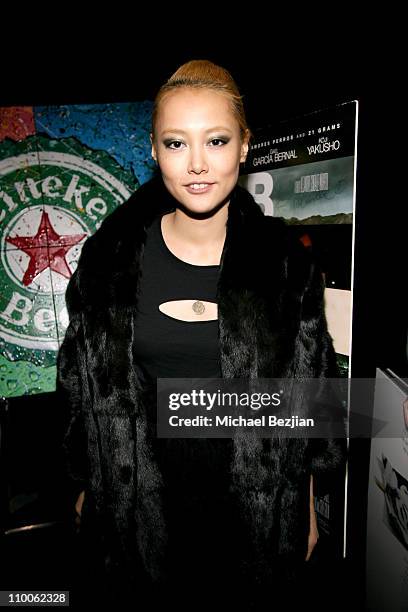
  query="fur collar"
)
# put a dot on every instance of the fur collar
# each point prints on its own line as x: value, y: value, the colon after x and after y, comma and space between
x: 109, y: 266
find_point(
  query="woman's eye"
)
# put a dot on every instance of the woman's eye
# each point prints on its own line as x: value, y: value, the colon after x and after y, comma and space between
x: 219, y: 141
x: 170, y: 144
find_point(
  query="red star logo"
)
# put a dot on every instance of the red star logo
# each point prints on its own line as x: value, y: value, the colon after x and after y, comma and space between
x: 46, y: 249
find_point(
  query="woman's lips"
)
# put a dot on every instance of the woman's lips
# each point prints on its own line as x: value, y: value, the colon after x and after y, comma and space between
x: 199, y: 190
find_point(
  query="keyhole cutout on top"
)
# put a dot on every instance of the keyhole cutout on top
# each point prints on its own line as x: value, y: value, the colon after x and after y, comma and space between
x: 190, y: 310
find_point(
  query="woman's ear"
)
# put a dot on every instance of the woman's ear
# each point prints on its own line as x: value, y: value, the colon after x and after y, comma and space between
x: 245, y: 146
x: 153, y: 147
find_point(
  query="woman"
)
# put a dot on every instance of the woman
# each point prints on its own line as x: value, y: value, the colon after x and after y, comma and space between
x: 190, y: 279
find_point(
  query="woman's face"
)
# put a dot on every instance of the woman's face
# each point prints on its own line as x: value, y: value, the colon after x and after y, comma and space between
x: 197, y: 142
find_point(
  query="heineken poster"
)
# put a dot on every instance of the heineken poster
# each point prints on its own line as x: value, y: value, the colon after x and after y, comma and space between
x: 62, y: 171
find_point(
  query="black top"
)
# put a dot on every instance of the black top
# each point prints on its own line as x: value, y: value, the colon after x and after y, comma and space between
x: 201, y: 521
x: 164, y: 346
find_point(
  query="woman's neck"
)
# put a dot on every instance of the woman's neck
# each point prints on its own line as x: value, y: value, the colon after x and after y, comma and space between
x: 197, y: 241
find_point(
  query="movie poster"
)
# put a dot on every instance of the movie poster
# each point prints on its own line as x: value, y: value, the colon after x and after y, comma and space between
x: 63, y: 169
x: 304, y: 171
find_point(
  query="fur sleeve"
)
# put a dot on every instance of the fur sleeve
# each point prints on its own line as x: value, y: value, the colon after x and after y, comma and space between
x: 328, y: 455
x: 69, y: 392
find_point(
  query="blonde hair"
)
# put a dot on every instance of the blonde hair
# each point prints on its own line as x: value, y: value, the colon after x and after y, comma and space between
x: 203, y: 74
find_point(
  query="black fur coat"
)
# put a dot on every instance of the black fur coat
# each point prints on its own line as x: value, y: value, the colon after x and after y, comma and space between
x: 271, y: 324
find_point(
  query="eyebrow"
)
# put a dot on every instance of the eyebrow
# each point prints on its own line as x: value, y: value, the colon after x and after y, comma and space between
x: 217, y: 128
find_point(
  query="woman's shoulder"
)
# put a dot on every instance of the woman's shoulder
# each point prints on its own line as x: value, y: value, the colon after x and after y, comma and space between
x: 108, y: 265
x: 280, y: 242
x: 275, y: 234
x: 123, y: 228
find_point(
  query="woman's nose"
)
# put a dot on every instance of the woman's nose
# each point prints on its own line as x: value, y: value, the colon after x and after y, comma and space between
x: 197, y: 161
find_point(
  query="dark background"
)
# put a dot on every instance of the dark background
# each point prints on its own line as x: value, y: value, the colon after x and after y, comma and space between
x: 283, y: 72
